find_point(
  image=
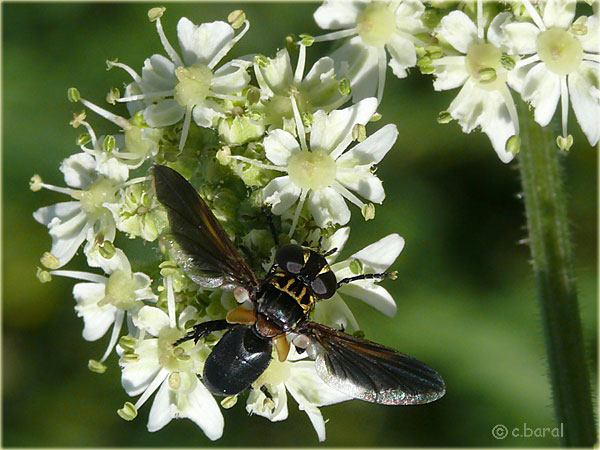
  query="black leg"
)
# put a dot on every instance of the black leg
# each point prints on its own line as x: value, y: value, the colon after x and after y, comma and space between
x: 368, y: 276
x: 269, y: 215
x: 204, y: 329
x: 265, y: 391
x: 329, y: 253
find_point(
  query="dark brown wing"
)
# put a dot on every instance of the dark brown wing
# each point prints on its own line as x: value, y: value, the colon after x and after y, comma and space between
x: 370, y: 371
x: 200, y: 243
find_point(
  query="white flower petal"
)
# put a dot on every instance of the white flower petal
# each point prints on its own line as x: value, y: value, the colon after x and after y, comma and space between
x: 206, y: 114
x: 231, y: 77
x: 585, y: 96
x: 158, y: 74
x: 333, y: 15
x: 328, y: 207
x: 201, y: 407
x: 68, y: 236
x: 542, y: 89
x: 408, y: 16
x: 337, y: 240
x: 559, y: 13
x: 109, y: 265
x: 63, y: 211
x: 281, y: 194
x: 97, y: 319
x: 256, y: 403
x: 449, y: 76
x: 591, y: 40
x: 200, y: 43
x: 403, y: 54
x: 165, y: 112
x: 279, y: 146
x: 459, y: 30
x: 335, y: 313
x: 276, y: 76
x: 359, y: 64
x: 162, y: 410
x: 518, y: 38
x: 372, y: 294
x: 360, y: 180
x: 333, y: 131
x: 372, y: 149
x: 79, y: 170
x: 151, y: 319
x: 137, y: 375
x: 475, y: 107
x: 380, y: 255
x: 321, y: 86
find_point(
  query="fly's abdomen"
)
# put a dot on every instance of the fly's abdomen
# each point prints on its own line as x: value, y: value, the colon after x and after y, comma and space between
x: 237, y: 360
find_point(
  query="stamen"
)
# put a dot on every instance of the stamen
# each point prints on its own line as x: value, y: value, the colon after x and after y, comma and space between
x: 480, y: 19
x: 167, y: 46
x: 61, y: 190
x: 297, y: 213
x: 221, y: 53
x: 336, y: 35
x: 149, y: 96
x: 299, y: 124
x: 127, y: 69
x: 233, y: 98
x: 85, y: 276
x: 347, y: 194
x: 411, y: 38
x: 90, y: 131
x: 257, y: 163
x: 170, y: 302
x: 448, y: 61
x: 564, y: 101
x: 534, y: 15
x: 186, y: 127
x: 153, y: 386
x: 526, y: 61
x: 510, y: 105
x: 115, y: 333
x: 300, y: 67
x: 117, y: 120
x: 136, y: 180
x: 382, y: 62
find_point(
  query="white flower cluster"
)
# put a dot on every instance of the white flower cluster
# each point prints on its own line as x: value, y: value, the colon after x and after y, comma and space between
x: 293, y: 141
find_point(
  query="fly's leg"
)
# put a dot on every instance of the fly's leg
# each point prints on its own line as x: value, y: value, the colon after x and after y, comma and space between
x: 204, y: 329
x: 368, y: 276
x: 269, y: 400
x: 269, y: 215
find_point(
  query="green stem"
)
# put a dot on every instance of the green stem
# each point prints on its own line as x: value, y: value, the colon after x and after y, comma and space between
x: 549, y: 239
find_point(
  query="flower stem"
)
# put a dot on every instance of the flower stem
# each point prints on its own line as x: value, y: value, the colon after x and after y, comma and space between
x: 551, y: 251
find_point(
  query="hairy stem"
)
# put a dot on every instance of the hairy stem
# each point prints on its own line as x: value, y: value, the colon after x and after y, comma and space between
x: 552, y: 258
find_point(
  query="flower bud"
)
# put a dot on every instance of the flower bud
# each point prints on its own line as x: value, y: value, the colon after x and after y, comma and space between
x: 73, y: 95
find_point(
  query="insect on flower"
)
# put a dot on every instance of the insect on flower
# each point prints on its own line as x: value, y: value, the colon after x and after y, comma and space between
x: 282, y: 303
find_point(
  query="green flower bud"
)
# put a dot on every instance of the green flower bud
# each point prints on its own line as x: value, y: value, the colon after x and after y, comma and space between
x: 434, y: 52
x: 236, y: 18
x: 356, y: 266
x: 127, y: 412
x: 109, y: 143
x: 344, y: 87
x: 73, y: 95
x: 35, y: 183
x: 156, y: 13
x: 49, y: 260
x: 290, y: 43
x: 107, y: 249
x: 253, y: 95
x: 96, y: 366
x: 444, y: 117
x: 513, y: 144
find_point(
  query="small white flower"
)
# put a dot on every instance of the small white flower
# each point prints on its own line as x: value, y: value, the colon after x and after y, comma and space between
x: 318, y: 90
x: 325, y: 175
x: 189, y: 86
x: 103, y: 301
x: 561, y: 59
x: 300, y: 379
x: 153, y: 364
x: 376, y: 26
x: 71, y: 222
x: 484, y: 99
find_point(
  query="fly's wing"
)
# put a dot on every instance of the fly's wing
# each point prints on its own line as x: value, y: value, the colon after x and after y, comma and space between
x: 370, y: 371
x: 199, y: 242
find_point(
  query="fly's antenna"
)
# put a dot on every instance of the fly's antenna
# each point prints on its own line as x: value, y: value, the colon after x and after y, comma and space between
x: 269, y: 215
x: 368, y: 276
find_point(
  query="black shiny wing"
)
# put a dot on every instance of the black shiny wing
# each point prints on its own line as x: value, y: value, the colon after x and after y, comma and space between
x: 200, y: 244
x: 370, y: 371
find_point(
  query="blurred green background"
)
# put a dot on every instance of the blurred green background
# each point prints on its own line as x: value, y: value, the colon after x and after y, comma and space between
x: 466, y: 295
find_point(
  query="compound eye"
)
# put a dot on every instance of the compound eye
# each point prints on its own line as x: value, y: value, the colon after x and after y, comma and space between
x: 325, y: 285
x: 290, y: 258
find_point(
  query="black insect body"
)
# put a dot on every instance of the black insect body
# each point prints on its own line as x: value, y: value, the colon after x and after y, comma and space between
x: 282, y: 304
